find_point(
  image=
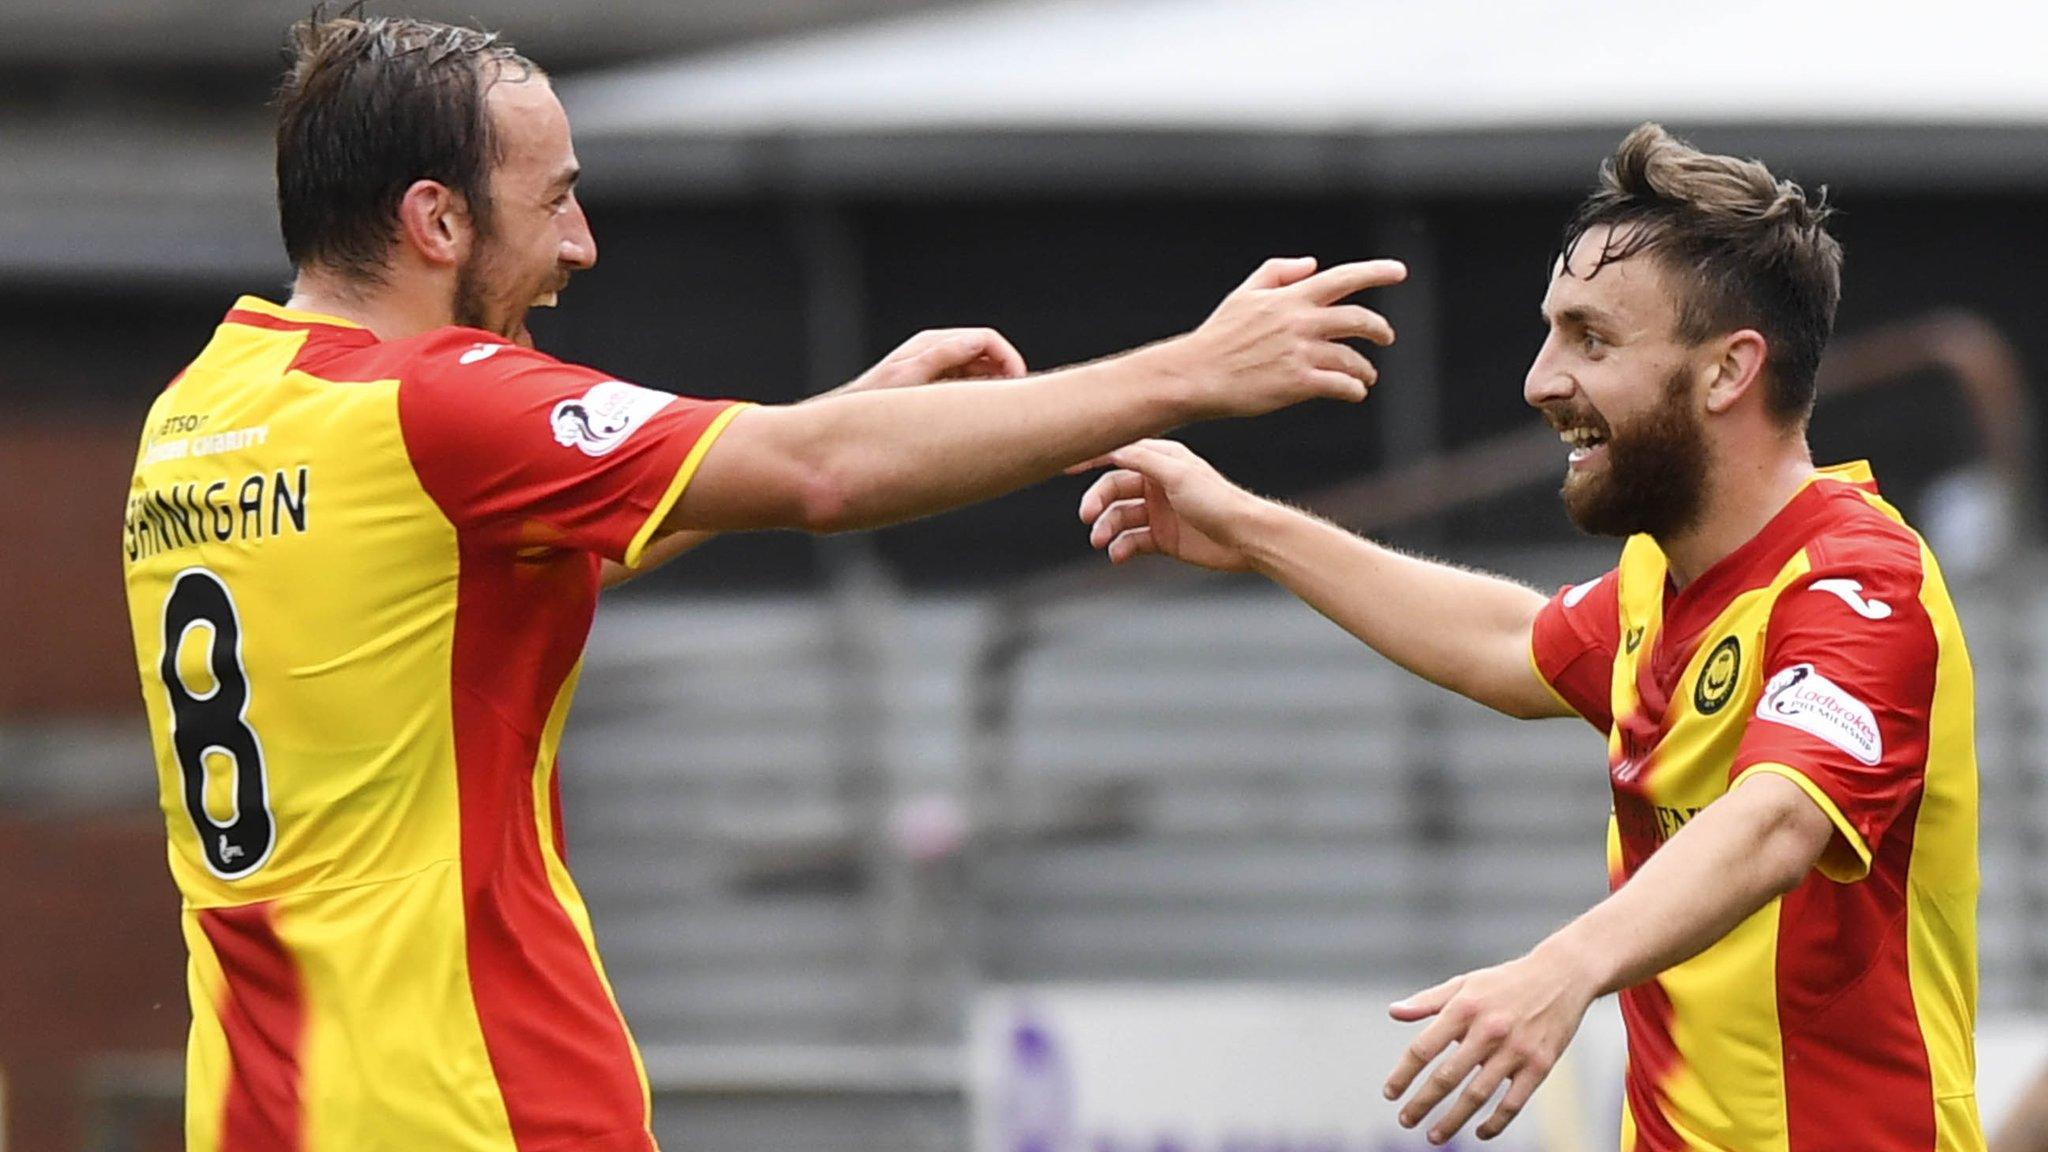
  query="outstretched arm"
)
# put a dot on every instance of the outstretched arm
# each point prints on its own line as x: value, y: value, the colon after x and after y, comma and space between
x: 1464, y: 630
x: 1512, y: 1022
x: 865, y: 460
x: 932, y: 355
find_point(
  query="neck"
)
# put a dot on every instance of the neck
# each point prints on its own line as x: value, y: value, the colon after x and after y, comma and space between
x: 389, y: 311
x: 1743, y: 497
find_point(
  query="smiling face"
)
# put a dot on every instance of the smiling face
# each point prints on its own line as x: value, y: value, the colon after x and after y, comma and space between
x: 1621, y: 387
x: 535, y: 234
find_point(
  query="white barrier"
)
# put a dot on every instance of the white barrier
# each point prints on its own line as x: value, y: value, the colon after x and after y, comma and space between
x: 1236, y: 1069
x: 1233, y: 1068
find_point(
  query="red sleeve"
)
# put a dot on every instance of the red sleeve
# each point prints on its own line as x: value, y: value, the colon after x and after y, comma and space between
x: 1849, y: 665
x: 520, y: 449
x: 1573, y: 645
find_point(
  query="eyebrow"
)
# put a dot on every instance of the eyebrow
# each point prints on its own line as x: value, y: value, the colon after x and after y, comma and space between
x: 1578, y: 315
x: 568, y: 177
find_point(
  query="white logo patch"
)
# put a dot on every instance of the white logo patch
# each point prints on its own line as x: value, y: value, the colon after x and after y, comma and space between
x: 1799, y: 697
x: 478, y: 353
x: 1851, y: 592
x: 602, y: 418
x: 1578, y: 592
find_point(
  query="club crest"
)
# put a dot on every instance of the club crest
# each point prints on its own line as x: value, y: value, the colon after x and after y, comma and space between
x: 1718, y: 676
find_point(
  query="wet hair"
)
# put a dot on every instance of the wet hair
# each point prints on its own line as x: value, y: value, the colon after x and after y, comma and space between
x: 368, y: 106
x: 1746, y: 250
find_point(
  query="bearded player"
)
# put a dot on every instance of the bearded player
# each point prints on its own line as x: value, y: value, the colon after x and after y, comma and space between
x: 1775, y: 664
x: 364, y: 542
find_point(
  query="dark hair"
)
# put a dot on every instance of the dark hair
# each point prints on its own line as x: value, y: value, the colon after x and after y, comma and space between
x: 368, y: 106
x: 1747, y: 250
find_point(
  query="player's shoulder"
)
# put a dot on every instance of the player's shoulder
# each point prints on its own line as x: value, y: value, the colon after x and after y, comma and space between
x: 1860, y: 558
x: 456, y: 357
x: 467, y: 378
x: 1860, y: 531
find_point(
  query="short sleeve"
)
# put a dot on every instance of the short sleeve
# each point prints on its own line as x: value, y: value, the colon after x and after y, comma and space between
x: 1849, y: 663
x: 522, y: 450
x: 1573, y: 643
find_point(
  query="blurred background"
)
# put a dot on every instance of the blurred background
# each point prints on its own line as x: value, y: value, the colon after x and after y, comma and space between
x: 947, y: 836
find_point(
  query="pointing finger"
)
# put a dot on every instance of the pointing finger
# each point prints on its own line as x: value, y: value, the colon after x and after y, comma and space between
x: 1335, y: 283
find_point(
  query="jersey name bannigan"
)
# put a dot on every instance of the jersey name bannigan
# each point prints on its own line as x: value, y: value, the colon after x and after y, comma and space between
x: 360, y: 576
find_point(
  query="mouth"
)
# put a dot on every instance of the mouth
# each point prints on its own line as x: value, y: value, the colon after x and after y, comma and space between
x: 1586, y: 443
x: 551, y: 295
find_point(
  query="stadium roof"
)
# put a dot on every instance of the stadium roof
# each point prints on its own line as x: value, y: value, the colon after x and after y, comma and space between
x: 1302, y: 95
x: 246, y: 36
x: 1400, y: 93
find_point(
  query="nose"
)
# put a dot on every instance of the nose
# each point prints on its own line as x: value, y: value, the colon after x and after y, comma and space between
x: 1546, y: 381
x: 579, y: 247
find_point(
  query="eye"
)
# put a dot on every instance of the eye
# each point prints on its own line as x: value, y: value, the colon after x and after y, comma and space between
x: 1592, y: 342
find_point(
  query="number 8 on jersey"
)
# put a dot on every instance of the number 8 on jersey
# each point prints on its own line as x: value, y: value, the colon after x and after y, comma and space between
x: 213, y: 724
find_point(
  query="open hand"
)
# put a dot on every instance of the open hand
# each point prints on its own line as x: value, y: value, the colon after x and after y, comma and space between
x: 1510, y: 1024
x: 1278, y: 338
x: 1163, y: 498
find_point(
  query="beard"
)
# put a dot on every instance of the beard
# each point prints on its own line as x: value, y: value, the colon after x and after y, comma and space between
x: 472, y: 304
x: 1655, y: 481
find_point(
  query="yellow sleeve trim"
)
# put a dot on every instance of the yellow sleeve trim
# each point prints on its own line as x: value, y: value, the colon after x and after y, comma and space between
x: 1832, y: 864
x: 645, y: 535
x: 1545, y: 680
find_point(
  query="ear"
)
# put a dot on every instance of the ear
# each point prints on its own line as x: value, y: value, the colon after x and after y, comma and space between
x: 1737, y: 370
x: 434, y: 222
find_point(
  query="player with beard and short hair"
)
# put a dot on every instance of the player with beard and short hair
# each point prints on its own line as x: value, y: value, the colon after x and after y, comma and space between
x: 1775, y: 664
x: 365, y: 538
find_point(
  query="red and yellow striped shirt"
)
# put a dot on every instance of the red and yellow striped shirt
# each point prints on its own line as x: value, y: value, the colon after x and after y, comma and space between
x: 1826, y: 651
x: 360, y: 575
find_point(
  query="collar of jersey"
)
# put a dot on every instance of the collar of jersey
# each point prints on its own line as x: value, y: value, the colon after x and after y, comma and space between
x: 1856, y: 472
x: 262, y: 307
x: 1762, y: 554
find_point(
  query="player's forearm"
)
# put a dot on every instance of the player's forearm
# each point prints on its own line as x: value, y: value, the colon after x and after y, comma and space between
x: 869, y: 459
x: 1729, y: 861
x: 903, y: 455
x: 1466, y: 631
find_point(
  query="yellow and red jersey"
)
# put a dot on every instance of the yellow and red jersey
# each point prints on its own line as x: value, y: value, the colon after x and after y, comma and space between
x: 360, y: 575
x: 1826, y: 651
